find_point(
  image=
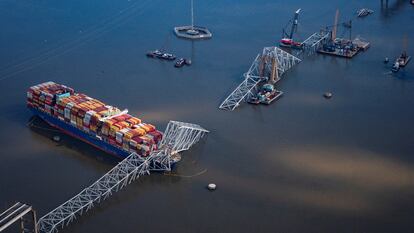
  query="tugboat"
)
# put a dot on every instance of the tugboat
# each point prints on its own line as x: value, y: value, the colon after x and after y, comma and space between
x: 161, y: 55
x: 402, y: 61
x: 266, y: 95
x: 287, y: 40
x: 181, y: 62
x: 154, y: 54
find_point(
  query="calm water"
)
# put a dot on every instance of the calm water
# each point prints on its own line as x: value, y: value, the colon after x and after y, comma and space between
x: 303, y: 164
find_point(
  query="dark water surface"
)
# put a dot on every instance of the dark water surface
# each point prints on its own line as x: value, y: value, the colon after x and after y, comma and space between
x: 303, y: 164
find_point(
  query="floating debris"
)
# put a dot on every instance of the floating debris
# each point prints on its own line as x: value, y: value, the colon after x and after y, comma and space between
x: 364, y: 12
x: 56, y: 138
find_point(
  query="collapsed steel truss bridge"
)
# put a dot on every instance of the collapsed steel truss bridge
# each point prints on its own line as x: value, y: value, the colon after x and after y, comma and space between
x: 178, y: 137
x: 257, y: 73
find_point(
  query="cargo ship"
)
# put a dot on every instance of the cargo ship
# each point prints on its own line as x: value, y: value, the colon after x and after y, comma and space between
x: 92, y: 121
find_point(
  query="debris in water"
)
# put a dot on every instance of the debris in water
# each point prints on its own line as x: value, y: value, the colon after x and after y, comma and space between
x: 364, y: 12
x: 56, y: 138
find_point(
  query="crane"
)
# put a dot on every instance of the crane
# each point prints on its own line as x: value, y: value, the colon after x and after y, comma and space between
x: 287, y: 40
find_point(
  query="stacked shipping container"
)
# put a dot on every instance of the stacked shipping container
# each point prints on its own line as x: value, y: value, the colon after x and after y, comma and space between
x: 94, y: 117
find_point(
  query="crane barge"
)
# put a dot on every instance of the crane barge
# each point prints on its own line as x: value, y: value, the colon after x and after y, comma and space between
x: 287, y: 40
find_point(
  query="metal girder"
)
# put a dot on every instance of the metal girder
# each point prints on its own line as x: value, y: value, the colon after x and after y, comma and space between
x: 314, y: 42
x: 125, y: 172
x: 181, y: 136
x: 18, y: 212
x: 178, y: 136
x: 284, y: 59
x: 245, y: 88
x: 240, y: 93
x: 257, y: 73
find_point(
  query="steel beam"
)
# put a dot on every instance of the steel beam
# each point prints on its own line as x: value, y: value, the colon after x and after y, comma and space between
x: 257, y: 73
x: 179, y: 136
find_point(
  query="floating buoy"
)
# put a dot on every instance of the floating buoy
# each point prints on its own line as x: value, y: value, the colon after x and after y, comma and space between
x: 56, y: 138
x: 211, y: 187
x: 327, y: 95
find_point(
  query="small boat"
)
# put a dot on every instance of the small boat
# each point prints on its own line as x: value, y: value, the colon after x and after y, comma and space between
x: 154, y: 54
x: 401, y: 61
x: 181, y: 62
x: 161, y: 55
x: 168, y: 56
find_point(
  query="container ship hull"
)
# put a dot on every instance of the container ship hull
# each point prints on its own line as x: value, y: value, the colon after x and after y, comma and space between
x: 103, y: 126
x: 79, y: 134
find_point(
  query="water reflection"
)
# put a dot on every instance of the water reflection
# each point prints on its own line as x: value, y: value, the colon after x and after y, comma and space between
x: 388, y: 9
x: 326, y: 179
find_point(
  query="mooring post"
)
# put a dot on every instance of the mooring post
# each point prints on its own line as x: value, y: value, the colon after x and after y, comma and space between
x: 192, y: 15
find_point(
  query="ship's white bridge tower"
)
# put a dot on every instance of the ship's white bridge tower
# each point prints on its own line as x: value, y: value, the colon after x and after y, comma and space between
x: 257, y: 73
x: 178, y: 136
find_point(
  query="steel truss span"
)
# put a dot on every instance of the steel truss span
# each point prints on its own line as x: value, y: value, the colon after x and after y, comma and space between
x: 19, y: 212
x: 179, y: 136
x: 257, y: 73
x: 314, y: 42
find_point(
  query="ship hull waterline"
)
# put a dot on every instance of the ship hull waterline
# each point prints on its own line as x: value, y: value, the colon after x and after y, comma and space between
x: 92, y: 140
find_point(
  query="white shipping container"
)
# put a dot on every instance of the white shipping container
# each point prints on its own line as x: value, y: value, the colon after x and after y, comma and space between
x: 133, y: 143
x: 86, y: 119
x: 118, y: 137
x: 67, y: 113
x: 145, y: 148
x: 150, y: 136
